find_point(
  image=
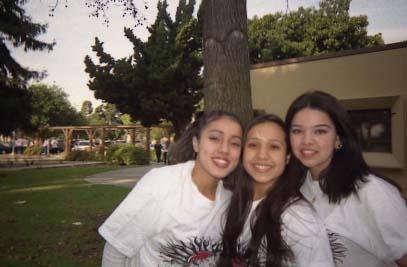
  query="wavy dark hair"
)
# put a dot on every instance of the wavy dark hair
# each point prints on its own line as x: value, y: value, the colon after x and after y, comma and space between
x: 183, y: 149
x: 266, y: 225
x: 347, y: 170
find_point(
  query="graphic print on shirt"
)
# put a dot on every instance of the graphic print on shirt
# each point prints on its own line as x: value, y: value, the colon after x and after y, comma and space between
x: 338, y: 249
x: 193, y: 252
x: 242, y: 260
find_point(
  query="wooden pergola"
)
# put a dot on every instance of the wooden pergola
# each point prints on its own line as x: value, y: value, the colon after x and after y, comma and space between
x: 91, y: 132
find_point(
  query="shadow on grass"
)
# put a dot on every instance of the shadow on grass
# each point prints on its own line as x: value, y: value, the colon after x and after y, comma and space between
x: 50, y: 217
x: 44, y: 188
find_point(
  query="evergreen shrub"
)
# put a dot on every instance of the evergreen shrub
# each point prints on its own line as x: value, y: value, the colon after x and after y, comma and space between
x: 83, y: 155
x: 128, y: 155
x: 32, y: 151
x: 110, y: 153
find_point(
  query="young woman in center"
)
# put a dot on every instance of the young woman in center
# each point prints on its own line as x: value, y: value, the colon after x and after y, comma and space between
x: 268, y: 224
x: 364, y: 214
x: 171, y: 216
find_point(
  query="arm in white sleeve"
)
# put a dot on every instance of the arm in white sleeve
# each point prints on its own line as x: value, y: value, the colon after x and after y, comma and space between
x: 389, y: 212
x: 112, y: 257
x: 306, y: 236
x: 133, y: 221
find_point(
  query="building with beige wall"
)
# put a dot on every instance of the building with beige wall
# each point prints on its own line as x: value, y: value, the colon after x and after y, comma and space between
x: 371, y: 83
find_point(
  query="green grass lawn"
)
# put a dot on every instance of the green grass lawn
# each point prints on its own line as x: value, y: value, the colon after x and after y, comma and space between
x: 49, y: 217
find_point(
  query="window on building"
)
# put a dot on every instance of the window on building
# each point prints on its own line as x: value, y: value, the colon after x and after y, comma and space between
x: 373, y: 127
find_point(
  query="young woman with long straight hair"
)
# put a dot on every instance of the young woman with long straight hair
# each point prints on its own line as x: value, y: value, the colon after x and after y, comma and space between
x: 365, y: 214
x: 168, y: 218
x: 268, y: 224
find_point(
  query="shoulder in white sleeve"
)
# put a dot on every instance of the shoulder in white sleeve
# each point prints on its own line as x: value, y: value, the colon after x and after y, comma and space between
x: 306, y: 236
x: 133, y: 220
x: 388, y: 208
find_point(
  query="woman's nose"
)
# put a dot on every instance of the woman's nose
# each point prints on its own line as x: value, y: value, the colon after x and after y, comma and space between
x: 262, y: 153
x: 307, y: 137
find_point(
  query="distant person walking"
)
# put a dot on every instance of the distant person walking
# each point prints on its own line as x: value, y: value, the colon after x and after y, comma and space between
x: 18, y: 144
x: 45, y: 147
x: 157, y: 148
x: 54, y: 146
x: 165, y: 151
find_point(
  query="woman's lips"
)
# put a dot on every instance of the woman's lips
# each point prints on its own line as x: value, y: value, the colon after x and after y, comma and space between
x: 221, y: 162
x: 308, y: 153
x: 261, y: 167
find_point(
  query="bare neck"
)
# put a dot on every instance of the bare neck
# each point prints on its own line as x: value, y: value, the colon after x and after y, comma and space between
x: 206, y: 184
x: 260, y: 190
x: 315, y: 175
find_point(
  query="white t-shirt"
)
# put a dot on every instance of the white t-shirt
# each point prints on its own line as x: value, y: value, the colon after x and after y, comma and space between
x: 166, y: 221
x: 367, y: 229
x: 303, y: 232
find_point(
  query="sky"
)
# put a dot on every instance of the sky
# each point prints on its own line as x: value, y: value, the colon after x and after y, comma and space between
x: 74, y: 32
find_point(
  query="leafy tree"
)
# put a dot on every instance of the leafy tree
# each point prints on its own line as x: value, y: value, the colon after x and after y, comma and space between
x: 126, y: 119
x: 308, y: 32
x: 100, y: 7
x: 86, y: 109
x: 17, y: 30
x: 51, y: 107
x: 161, y: 79
x: 15, y: 108
x: 106, y: 114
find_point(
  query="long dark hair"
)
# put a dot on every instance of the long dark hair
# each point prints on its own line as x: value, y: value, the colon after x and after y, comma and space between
x: 347, y: 170
x: 183, y: 149
x: 266, y: 224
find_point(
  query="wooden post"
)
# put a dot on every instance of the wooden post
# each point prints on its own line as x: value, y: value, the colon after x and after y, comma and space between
x: 102, y: 144
x: 147, y: 139
x: 67, y: 140
x: 91, y: 134
x: 133, y: 135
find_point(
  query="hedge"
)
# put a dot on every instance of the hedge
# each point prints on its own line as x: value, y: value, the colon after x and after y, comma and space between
x: 127, y: 154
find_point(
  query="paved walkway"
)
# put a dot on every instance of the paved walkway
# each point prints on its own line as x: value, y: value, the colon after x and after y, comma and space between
x: 126, y: 177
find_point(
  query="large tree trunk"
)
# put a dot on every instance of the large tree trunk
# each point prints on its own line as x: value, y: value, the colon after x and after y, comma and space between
x: 226, y: 57
x: 179, y: 127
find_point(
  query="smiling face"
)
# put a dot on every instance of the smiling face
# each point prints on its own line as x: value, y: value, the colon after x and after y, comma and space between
x: 313, y: 137
x: 264, y: 155
x: 218, y: 148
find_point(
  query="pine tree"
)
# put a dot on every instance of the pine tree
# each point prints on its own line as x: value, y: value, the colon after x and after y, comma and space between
x: 17, y: 30
x: 161, y: 80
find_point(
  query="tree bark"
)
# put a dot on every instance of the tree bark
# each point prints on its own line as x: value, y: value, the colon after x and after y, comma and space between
x: 226, y: 57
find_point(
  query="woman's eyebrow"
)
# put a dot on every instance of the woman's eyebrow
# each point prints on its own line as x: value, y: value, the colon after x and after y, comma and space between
x: 323, y: 125
x: 216, y: 131
x: 317, y: 125
x: 276, y: 141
